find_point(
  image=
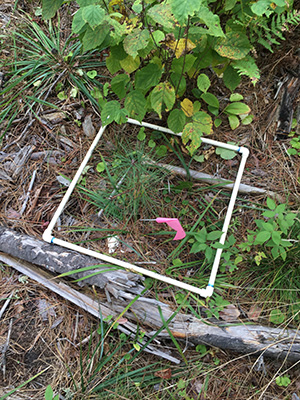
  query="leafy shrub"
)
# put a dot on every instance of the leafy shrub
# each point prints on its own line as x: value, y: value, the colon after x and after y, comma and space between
x: 164, y: 55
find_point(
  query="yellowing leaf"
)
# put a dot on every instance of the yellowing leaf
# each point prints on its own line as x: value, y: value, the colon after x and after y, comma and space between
x: 135, y: 41
x: 130, y: 64
x: 204, y: 121
x: 119, y: 6
x: 163, y: 93
x: 187, y: 107
x: 137, y: 346
x: 181, y: 46
x: 192, y: 133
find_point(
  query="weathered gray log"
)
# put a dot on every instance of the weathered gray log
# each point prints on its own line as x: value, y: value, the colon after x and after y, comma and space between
x: 224, y: 183
x: 248, y: 339
x: 60, y: 260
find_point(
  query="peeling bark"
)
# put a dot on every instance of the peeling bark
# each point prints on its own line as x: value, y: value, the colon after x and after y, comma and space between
x: 60, y: 260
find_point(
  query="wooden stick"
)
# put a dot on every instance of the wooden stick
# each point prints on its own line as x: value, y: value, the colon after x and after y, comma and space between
x: 252, y: 339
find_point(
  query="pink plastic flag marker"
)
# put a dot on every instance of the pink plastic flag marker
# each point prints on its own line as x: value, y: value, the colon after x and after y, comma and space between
x: 172, y: 223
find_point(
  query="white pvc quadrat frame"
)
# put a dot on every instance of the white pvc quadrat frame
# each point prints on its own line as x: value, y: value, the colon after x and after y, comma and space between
x: 203, y: 292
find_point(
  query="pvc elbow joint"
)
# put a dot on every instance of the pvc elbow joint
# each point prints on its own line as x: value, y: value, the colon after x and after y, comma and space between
x: 47, y: 236
x: 244, y: 151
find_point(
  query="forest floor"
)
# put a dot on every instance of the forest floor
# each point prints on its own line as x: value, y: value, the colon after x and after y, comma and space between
x: 46, y: 329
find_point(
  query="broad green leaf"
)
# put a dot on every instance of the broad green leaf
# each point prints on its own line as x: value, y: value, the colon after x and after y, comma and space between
x: 111, y: 111
x: 234, y: 121
x: 231, y: 78
x: 136, y: 40
x: 204, y: 121
x: 130, y: 64
x: 212, y: 21
x: 163, y: 93
x: 136, y: 104
x: 112, y: 64
x: 197, y: 247
x: 248, y: 67
x: 48, y: 393
x: 260, y: 7
x: 94, y: 38
x: 213, y: 110
x: 158, y: 36
x: 203, y: 82
x: 198, y: 35
x: 262, y: 237
x: 183, y: 64
x: 276, y: 317
x: 137, y: 6
x: 225, y: 153
x: 271, y: 204
x: 93, y: 15
x: 236, y: 97
x: 176, y: 120
x: 118, y: 52
x: 162, y: 15
x: 217, y: 122
x: 50, y: 7
x: 210, y: 99
x: 214, y: 235
x: 246, y: 120
x: 237, y: 108
x: 78, y: 22
x: 229, y: 4
x: 161, y: 151
x: 118, y: 84
x: 192, y: 133
x: 234, y: 46
x: 184, y: 8
x: 267, y: 226
x: 147, y: 77
x: 151, y: 144
x: 276, y: 237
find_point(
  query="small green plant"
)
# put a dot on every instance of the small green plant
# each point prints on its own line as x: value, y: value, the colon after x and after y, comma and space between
x: 215, y: 304
x: 294, y: 150
x: 49, y: 395
x: 272, y: 233
x: 283, y: 380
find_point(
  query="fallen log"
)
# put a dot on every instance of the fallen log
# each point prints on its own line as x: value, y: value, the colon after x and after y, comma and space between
x: 60, y: 260
x: 243, y: 338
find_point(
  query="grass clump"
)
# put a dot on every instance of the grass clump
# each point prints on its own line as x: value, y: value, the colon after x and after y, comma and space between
x: 46, y: 60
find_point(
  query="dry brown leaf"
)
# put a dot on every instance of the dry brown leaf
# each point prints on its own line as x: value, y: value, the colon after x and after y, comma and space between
x: 164, y: 373
x: 254, y: 312
x: 230, y: 313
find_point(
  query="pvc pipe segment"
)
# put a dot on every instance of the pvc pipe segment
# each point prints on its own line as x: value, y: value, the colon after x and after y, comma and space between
x: 203, y: 292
